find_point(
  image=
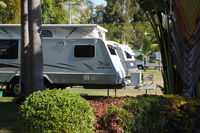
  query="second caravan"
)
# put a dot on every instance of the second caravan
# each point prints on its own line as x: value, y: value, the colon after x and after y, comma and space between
x: 126, y: 56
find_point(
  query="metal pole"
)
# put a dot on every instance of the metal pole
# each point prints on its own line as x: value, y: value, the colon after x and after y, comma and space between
x: 69, y: 13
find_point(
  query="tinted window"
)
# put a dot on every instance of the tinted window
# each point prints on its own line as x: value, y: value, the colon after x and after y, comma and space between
x: 112, y: 51
x: 128, y: 56
x: 8, y: 49
x: 84, y: 51
x: 46, y: 33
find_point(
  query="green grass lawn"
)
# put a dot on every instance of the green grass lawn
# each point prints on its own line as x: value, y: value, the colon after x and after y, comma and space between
x: 119, y: 93
x: 158, y: 80
x: 8, y: 109
x: 124, y: 92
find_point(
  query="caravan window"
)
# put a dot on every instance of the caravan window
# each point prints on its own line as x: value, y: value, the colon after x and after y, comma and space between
x: 8, y: 49
x: 100, y: 35
x: 152, y: 57
x: 46, y: 33
x: 128, y: 56
x: 112, y: 51
x: 84, y: 51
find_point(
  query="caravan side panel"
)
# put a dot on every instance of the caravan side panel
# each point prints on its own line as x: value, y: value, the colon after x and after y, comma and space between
x: 63, y: 63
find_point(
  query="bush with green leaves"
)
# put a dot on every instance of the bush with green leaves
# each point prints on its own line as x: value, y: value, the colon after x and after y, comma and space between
x: 149, y: 114
x: 56, y: 111
x: 141, y: 115
x: 154, y: 114
x: 117, y: 119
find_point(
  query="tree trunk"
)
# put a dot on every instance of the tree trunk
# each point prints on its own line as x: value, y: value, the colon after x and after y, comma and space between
x: 24, y: 78
x: 145, y: 64
x: 198, y: 90
x: 35, y: 58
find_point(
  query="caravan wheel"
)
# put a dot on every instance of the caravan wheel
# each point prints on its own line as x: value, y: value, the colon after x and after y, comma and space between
x: 15, y: 88
x: 140, y: 67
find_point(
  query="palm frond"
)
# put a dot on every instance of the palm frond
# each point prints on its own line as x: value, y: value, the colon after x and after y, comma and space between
x: 186, y: 41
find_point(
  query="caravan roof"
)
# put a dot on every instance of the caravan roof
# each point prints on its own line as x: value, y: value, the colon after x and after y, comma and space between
x: 69, y: 31
x: 60, y: 25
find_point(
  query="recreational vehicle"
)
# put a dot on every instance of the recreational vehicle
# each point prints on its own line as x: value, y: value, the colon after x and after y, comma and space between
x: 126, y: 56
x: 72, y: 55
x: 153, y: 60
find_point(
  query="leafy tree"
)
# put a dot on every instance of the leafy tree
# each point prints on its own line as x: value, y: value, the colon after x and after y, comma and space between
x: 12, y: 12
x: 154, y: 10
x: 147, y: 48
x: 86, y: 12
x: 139, y: 30
x: 123, y: 13
x: 114, y: 32
x: 97, y: 16
x: 53, y: 12
x: 80, y: 10
x: 113, y: 15
x: 2, y: 4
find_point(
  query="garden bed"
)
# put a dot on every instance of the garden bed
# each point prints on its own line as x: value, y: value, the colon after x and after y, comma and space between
x: 100, y: 105
x: 119, y: 114
x: 170, y: 113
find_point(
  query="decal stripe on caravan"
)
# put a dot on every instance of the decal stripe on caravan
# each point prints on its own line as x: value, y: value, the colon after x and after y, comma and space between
x: 66, y: 65
x: 59, y: 67
x: 89, y: 67
x: 8, y: 65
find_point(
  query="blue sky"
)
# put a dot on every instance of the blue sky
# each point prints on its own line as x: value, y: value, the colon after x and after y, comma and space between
x: 98, y: 2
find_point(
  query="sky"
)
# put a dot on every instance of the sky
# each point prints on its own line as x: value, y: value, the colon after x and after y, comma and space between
x: 98, y: 2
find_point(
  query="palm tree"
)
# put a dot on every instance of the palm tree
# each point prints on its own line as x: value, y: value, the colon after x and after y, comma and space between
x: 185, y: 20
x: 31, y: 50
x: 24, y: 78
x: 35, y: 62
x: 178, y: 34
x: 155, y: 10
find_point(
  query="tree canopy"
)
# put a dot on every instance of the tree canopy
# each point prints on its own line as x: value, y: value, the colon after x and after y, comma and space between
x: 53, y: 11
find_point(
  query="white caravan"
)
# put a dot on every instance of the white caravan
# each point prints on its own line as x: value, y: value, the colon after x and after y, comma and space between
x: 72, y: 55
x: 126, y: 56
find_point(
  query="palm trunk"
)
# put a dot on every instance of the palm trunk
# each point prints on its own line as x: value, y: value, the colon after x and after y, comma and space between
x: 36, y: 58
x: 24, y: 78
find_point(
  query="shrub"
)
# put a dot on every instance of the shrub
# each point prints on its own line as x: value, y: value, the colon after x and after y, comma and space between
x: 141, y: 115
x: 118, y: 120
x: 185, y: 115
x: 149, y: 114
x: 56, y: 111
x: 155, y: 114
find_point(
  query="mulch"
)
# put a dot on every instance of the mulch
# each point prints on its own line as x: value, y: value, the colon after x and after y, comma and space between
x: 100, y: 105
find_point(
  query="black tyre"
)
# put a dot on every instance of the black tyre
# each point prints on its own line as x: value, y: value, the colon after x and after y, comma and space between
x: 15, y: 88
x: 140, y: 67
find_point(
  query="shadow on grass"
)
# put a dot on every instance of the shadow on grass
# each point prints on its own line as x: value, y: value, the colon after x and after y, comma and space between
x: 8, y: 116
